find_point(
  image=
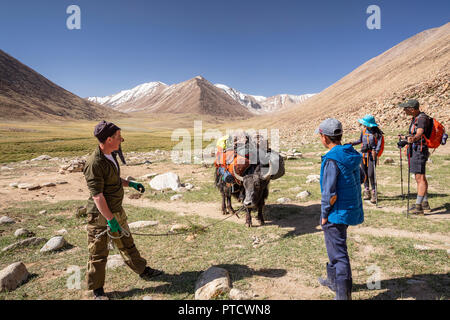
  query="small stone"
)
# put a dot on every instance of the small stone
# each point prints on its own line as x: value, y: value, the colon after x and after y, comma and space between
x: 13, y: 185
x: 130, y: 178
x: 61, y: 182
x: 147, y: 298
x: 24, y: 185
x: 49, y: 184
x: 6, y: 169
x: 34, y: 187
x: 23, y: 233
x: 13, y: 276
x: 313, y: 178
x: 388, y: 161
x: 303, y: 195
x: 24, y: 243
x: 61, y: 232
x: 283, y: 200
x: 54, y: 244
x: 142, y: 224
x: 41, y: 227
x: 421, y: 247
x: 236, y: 294
x: 276, y: 190
x: 114, y: 261
x: 41, y: 158
x: 189, y: 186
x: 176, y: 197
x: 178, y: 227
x: 43, y: 212
x: 212, y: 283
x: 6, y: 220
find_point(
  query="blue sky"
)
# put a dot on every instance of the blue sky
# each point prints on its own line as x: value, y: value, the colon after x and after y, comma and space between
x: 258, y: 47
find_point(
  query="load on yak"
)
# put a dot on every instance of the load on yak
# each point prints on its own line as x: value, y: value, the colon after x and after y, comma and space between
x: 244, y: 167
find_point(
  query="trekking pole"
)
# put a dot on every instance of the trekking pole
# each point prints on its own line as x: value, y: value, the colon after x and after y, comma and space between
x: 409, y: 177
x: 375, y: 180
x: 401, y: 172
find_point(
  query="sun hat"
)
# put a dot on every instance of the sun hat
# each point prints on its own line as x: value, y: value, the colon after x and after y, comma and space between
x: 368, y: 121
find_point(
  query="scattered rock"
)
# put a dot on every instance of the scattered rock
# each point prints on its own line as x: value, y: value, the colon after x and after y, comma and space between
x: 147, y: 298
x: 303, y: 195
x: 176, y: 197
x: 13, y: 276
x: 23, y: 233
x: 189, y: 186
x: 13, y: 185
x: 54, y: 244
x: 41, y: 158
x: 388, y: 161
x: 61, y: 182
x: 61, y: 232
x: 24, y: 185
x: 212, y: 283
x: 421, y: 247
x: 313, y: 178
x: 6, y: 220
x: 76, y: 165
x: 178, y: 227
x: 142, y: 224
x: 6, y: 169
x: 167, y: 180
x: 236, y: 294
x: 43, y: 212
x: 34, y: 187
x: 130, y: 178
x: 283, y: 200
x: 114, y: 261
x: 49, y: 184
x: 24, y: 243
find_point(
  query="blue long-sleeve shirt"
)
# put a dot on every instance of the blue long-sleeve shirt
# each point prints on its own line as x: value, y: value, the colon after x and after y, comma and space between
x: 372, y: 145
x: 329, y: 181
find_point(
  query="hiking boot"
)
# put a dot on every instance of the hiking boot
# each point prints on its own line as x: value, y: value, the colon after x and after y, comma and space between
x: 373, y: 198
x: 366, y: 194
x: 344, y: 290
x: 330, y: 281
x: 99, y: 294
x: 426, y: 207
x: 150, y: 273
x: 416, y: 209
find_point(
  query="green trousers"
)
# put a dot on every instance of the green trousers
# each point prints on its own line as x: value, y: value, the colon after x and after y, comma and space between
x: 98, y: 249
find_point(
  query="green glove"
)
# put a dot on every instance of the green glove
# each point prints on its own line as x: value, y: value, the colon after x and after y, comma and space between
x: 114, y: 225
x: 138, y: 186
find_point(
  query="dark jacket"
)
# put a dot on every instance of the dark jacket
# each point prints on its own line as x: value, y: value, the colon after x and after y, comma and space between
x: 102, y: 176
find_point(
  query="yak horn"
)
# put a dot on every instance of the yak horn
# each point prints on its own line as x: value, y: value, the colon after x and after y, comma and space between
x: 237, y: 176
x: 269, y: 172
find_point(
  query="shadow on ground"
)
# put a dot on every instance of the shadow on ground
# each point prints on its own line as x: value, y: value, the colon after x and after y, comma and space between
x: 304, y: 219
x: 419, y: 287
x: 184, y: 283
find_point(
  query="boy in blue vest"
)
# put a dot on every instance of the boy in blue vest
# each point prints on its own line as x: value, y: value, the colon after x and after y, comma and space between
x: 340, y: 184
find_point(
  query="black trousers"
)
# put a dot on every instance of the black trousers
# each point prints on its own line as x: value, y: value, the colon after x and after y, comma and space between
x: 367, y: 169
x: 336, y: 244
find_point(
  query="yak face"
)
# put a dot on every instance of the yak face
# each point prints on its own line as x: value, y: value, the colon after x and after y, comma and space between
x: 255, y: 186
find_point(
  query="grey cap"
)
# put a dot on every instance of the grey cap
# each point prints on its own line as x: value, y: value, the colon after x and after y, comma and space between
x: 330, y: 127
x: 413, y: 103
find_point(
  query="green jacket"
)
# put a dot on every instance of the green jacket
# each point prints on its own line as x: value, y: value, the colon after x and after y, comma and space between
x: 102, y: 176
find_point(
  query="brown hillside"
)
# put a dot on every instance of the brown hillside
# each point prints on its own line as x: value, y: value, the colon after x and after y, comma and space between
x: 27, y: 95
x: 416, y: 68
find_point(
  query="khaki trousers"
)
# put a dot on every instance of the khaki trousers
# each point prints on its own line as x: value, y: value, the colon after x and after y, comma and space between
x: 98, y: 249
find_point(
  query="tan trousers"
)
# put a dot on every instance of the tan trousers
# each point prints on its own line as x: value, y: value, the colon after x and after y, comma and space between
x: 98, y: 250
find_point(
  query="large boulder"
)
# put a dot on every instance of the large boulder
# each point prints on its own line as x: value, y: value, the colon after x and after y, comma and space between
x: 54, y: 244
x: 12, y: 276
x: 168, y: 180
x: 212, y: 283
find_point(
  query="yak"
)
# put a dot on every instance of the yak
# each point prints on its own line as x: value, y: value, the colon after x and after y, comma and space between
x: 252, y: 191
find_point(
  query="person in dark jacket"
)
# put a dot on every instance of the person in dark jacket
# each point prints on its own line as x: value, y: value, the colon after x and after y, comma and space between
x: 420, y: 127
x: 371, y: 139
x: 341, y: 204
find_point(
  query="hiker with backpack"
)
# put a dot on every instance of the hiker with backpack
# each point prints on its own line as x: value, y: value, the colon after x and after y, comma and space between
x: 372, y: 141
x: 424, y: 133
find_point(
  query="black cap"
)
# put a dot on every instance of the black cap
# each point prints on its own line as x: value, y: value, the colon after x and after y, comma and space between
x: 105, y: 129
x: 410, y: 104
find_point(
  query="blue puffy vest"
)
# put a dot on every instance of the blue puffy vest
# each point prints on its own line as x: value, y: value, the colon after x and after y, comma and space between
x: 348, y: 208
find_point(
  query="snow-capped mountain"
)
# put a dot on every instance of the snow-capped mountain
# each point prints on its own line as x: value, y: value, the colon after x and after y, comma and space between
x: 126, y: 96
x: 261, y: 104
x: 150, y: 96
